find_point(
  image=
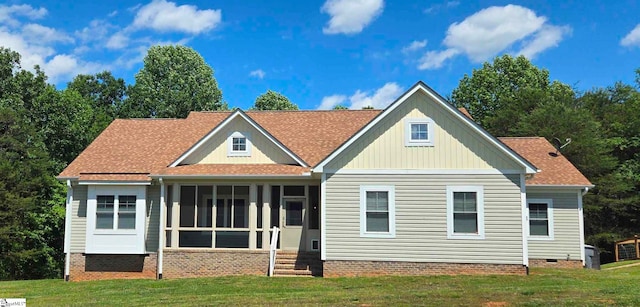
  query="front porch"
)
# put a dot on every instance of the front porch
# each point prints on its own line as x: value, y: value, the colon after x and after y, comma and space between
x: 224, y: 228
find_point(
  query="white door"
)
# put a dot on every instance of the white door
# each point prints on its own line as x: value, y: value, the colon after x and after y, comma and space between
x: 292, y: 225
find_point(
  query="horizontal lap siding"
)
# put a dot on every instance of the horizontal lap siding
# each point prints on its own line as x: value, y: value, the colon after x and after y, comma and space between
x: 78, y: 218
x: 565, y: 225
x: 421, y: 221
x: 153, y: 218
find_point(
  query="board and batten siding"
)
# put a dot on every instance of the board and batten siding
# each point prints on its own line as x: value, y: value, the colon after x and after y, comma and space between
x: 215, y: 150
x: 566, y: 225
x: 78, y: 219
x: 153, y: 218
x: 421, y: 220
x: 456, y: 145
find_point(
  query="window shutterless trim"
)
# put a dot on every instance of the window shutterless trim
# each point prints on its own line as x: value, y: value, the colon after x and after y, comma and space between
x: 409, y: 141
x: 479, y: 190
x: 549, y: 203
x: 391, y: 209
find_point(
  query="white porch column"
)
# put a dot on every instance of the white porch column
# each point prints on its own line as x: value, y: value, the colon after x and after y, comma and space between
x: 253, y: 215
x: 266, y: 215
x: 175, y: 215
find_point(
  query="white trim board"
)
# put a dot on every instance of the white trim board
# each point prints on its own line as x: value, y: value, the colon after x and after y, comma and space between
x: 127, y: 183
x: 420, y: 86
x: 224, y: 123
x: 423, y: 171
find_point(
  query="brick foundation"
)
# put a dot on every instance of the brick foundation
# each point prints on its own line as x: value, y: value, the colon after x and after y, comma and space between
x: 560, y: 263
x: 93, y: 267
x: 202, y: 263
x: 337, y: 268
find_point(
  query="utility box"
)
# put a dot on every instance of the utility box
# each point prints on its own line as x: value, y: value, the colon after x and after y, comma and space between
x: 592, y: 257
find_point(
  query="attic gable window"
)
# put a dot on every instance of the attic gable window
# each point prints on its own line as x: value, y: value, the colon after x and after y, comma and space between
x: 239, y: 144
x: 418, y: 132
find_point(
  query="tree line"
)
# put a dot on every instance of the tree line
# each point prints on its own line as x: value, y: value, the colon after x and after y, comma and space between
x: 42, y: 129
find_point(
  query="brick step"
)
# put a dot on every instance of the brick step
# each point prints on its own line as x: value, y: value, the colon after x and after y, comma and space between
x: 291, y: 266
x: 285, y: 260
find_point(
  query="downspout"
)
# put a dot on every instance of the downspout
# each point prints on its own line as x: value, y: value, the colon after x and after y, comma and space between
x: 161, y: 228
x: 525, y: 223
x: 67, y: 231
x: 581, y: 223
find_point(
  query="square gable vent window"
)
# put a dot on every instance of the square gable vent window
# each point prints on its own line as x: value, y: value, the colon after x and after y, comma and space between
x: 418, y: 132
x: 239, y: 144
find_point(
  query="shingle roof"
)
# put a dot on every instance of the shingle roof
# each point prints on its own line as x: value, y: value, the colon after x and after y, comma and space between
x: 130, y: 149
x: 144, y: 146
x: 554, y: 168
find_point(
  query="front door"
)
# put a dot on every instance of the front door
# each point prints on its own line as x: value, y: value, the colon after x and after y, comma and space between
x: 292, y: 224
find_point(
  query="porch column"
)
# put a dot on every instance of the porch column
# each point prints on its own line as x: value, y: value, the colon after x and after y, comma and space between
x: 175, y: 215
x: 253, y: 215
x: 266, y: 215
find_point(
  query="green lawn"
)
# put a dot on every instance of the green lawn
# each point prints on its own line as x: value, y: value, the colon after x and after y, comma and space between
x: 619, y: 264
x: 543, y: 287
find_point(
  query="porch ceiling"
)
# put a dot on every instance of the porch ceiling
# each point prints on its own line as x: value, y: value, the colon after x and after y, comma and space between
x: 234, y: 169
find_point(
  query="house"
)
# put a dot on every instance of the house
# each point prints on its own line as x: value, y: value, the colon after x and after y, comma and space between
x: 417, y: 188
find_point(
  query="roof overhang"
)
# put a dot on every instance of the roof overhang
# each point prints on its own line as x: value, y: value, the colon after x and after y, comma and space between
x: 232, y: 177
x: 559, y: 186
x: 421, y: 87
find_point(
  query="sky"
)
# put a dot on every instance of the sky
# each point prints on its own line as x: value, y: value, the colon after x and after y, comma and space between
x: 322, y: 53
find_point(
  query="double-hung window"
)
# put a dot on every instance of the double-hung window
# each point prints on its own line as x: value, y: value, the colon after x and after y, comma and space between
x: 540, y: 219
x: 465, y: 212
x: 418, y: 132
x: 377, y: 211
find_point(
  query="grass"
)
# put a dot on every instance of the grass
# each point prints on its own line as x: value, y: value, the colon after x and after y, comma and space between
x: 619, y: 264
x: 543, y: 287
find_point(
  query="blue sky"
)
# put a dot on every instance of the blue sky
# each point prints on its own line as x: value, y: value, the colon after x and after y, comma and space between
x: 320, y: 53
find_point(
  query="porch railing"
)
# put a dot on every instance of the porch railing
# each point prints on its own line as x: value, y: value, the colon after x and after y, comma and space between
x: 272, y: 249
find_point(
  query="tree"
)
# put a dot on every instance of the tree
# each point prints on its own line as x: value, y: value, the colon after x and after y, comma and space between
x: 273, y: 101
x: 173, y: 81
x: 494, y: 94
x: 340, y: 107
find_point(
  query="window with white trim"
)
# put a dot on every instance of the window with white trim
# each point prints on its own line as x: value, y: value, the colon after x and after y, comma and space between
x: 377, y: 211
x: 465, y: 212
x: 239, y: 144
x: 418, y: 132
x: 540, y: 219
x: 115, y: 212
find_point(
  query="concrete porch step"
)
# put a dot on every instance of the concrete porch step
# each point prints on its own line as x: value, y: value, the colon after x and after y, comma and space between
x: 291, y: 272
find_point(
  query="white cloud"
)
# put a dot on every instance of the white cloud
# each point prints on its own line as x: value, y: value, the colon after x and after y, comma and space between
x: 43, y: 35
x: 258, y: 73
x: 414, y: 46
x: 350, y: 16
x: 547, y: 37
x: 329, y: 102
x: 632, y: 38
x: 23, y: 10
x: 438, y: 6
x: 378, y: 99
x: 496, y: 29
x: 435, y: 59
x: 118, y: 40
x: 96, y: 31
x: 112, y: 14
x: 164, y: 16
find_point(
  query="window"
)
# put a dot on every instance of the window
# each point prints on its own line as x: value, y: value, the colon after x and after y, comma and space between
x: 104, y: 211
x: 126, y: 212
x: 465, y: 212
x: 239, y: 144
x: 540, y: 219
x: 108, y: 207
x: 377, y: 211
x: 419, y: 132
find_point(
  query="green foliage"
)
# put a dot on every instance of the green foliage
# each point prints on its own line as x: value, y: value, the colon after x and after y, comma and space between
x: 273, y: 101
x: 340, y: 107
x: 173, y: 81
x: 368, y: 108
x: 512, y: 97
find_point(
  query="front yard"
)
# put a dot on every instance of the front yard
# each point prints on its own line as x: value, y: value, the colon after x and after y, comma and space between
x: 543, y: 287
